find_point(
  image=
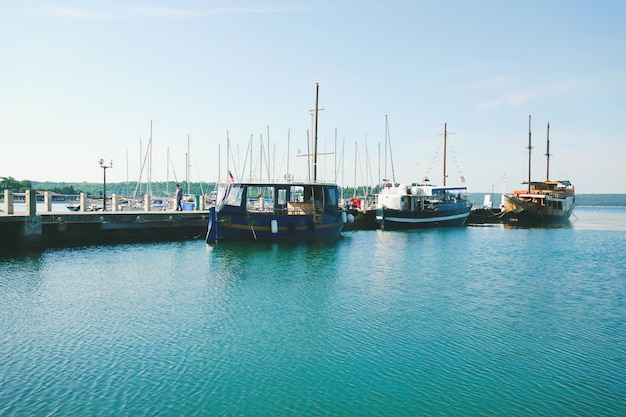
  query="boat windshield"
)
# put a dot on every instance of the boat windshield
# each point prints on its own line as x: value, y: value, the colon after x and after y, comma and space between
x: 233, y: 195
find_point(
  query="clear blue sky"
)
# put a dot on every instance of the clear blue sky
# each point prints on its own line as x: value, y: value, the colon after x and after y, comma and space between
x: 82, y: 80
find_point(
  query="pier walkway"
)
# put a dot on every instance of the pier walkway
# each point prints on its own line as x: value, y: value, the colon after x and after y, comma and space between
x: 33, y: 229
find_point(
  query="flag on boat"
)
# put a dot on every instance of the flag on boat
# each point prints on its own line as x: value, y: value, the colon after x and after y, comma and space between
x: 231, y: 177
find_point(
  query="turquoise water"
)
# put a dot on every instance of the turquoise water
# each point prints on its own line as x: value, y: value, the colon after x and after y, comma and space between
x: 468, y: 321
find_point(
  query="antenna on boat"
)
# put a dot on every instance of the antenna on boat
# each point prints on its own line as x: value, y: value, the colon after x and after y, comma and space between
x: 529, y: 152
x: 548, y: 153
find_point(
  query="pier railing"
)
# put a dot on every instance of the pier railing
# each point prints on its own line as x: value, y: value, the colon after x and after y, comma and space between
x: 30, y: 198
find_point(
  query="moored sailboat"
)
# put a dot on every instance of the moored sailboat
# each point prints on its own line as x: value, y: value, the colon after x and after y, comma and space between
x: 542, y: 201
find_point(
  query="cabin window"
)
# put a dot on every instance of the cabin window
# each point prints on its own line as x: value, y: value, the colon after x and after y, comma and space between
x: 332, y: 199
x: 234, y: 195
x: 280, y: 205
x: 260, y: 198
x: 296, y: 193
x: 331, y: 196
x: 281, y: 196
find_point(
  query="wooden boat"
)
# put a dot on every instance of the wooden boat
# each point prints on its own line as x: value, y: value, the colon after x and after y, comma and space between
x: 421, y: 205
x: 542, y: 201
x: 276, y: 210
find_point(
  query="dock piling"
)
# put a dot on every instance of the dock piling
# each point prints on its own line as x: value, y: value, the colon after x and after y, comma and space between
x: 8, y: 202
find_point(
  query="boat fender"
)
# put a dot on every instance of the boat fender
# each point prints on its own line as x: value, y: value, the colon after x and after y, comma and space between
x: 344, y: 217
x: 350, y: 218
x: 274, y: 225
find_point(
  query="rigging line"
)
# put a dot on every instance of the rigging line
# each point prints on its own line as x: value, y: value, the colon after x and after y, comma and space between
x: 245, y: 162
x: 456, y: 162
x: 282, y: 159
x: 368, y: 165
x: 143, y: 165
x: 173, y: 169
x: 197, y: 170
x: 393, y: 172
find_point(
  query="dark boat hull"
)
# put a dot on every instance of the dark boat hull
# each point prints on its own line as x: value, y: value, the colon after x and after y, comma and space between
x: 233, y: 226
x: 535, y: 217
x: 362, y: 220
x: 453, y: 216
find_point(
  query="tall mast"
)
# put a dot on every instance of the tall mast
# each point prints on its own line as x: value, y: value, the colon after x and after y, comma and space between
x: 149, y: 190
x: 388, y: 141
x: 548, y: 154
x: 529, y: 153
x: 386, y: 178
x: 317, y: 87
x: 288, y: 146
x: 356, y: 151
x: 445, y: 138
x: 188, y: 165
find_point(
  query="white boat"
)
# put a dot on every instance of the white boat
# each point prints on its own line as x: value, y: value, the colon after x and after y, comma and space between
x: 412, y: 206
x: 421, y: 205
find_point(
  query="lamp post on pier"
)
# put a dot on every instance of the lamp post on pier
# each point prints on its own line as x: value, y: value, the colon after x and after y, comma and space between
x: 104, y: 187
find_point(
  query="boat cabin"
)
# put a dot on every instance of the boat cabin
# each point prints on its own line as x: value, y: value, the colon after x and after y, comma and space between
x: 280, y: 199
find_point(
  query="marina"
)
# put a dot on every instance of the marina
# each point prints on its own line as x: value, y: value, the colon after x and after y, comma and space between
x: 289, y: 261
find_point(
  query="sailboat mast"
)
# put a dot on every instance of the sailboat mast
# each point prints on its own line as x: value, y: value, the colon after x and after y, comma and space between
x: 529, y: 152
x: 445, y: 146
x: 548, y: 153
x: 288, y: 148
x: 385, y: 158
x: 388, y: 140
x: 228, y: 159
x: 188, y: 162
x: 356, y: 152
x: 149, y: 190
x: 445, y: 138
x: 317, y: 88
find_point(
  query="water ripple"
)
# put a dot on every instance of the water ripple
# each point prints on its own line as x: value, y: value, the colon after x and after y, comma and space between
x: 469, y: 321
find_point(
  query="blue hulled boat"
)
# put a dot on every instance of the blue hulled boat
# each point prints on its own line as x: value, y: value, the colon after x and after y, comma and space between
x: 275, y: 211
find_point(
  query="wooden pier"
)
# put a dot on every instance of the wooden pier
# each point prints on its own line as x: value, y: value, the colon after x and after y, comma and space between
x: 68, y: 228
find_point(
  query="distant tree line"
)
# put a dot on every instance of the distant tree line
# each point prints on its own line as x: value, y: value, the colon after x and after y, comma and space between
x: 10, y: 183
x: 95, y: 189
